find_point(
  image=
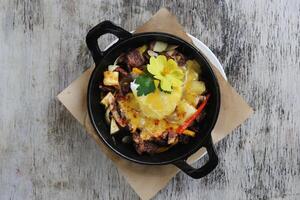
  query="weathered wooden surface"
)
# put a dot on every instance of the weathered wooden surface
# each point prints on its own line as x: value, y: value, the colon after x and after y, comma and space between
x: 45, y: 153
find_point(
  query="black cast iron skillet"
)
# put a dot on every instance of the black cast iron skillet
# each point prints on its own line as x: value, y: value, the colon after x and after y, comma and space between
x: 178, y: 154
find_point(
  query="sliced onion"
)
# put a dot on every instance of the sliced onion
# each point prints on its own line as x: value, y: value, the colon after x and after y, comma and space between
x: 171, y: 47
x: 112, y: 67
x: 152, y: 53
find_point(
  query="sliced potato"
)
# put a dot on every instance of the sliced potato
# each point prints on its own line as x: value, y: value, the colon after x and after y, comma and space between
x: 113, y: 127
x: 191, y: 75
x: 192, y: 98
x: 160, y: 46
x: 194, y: 91
x: 107, y: 99
x: 184, y: 110
x: 193, y: 65
x: 111, y: 78
x: 197, y: 87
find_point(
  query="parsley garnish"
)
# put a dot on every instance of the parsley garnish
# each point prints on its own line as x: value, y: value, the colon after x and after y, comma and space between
x: 145, y: 84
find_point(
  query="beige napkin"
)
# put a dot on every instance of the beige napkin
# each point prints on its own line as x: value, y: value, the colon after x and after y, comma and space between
x: 234, y: 110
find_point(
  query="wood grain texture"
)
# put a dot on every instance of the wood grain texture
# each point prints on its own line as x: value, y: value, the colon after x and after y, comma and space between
x: 45, y: 153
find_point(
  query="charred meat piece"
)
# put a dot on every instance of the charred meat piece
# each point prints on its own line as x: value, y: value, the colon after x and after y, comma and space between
x: 122, y: 71
x: 106, y: 88
x: 121, y: 58
x: 180, y: 58
x: 143, y: 146
x: 135, y: 58
x: 125, y: 85
x: 121, y: 122
x: 183, y: 139
x: 155, y: 145
x: 151, y: 45
x: 176, y: 55
x: 162, y: 140
x: 115, y: 111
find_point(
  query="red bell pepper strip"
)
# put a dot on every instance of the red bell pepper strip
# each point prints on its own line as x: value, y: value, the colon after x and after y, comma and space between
x: 189, y: 121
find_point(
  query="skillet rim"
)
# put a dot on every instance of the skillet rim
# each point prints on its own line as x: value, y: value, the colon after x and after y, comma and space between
x: 214, y: 79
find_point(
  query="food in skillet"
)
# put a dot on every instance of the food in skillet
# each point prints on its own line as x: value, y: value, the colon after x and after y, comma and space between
x: 156, y: 93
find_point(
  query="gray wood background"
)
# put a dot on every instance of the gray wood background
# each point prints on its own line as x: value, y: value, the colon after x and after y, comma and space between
x: 45, y: 153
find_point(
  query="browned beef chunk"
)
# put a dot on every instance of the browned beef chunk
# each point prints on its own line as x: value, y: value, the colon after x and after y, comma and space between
x: 176, y: 55
x: 121, y: 58
x: 122, y: 71
x: 135, y: 59
x: 183, y: 139
x: 143, y: 146
x: 117, y: 114
x: 167, y: 139
x: 151, y: 45
x: 161, y: 140
x: 180, y: 58
x: 105, y: 88
x: 125, y: 85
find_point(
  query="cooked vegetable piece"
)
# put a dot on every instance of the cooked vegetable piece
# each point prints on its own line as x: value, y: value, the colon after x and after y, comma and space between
x: 111, y: 78
x: 192, y: 98
x: 136, y: 71
x: 142, y: 49
x: 194, y: 65
x: 197, y: 87
x: 189, y: 133
x: 118, y: 118
x: 189, y: 121
x: 184, y: 110
x: 172, y: 137
x: 107, y: 99
x: 152, y: 53
x: 110, y: 103
x: 194, y: 91
x: 112, y: 67
x: 107, y: 117
x: 171, y: 47
x: 160, y: 46
x: 113, y: 127
x: 127, y: 139
x: 115, y: 113
x: 170, y: 54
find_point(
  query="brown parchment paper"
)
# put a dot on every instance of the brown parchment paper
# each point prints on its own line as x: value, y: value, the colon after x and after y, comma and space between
x: 148, y: 180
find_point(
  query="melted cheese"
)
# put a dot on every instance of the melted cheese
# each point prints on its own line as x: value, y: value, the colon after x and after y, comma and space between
x: 158, y: 104
x: 157, y: 112
x: 137, y: 120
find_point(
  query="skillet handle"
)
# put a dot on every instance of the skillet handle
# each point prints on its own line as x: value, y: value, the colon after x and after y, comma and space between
x: 99, y: 30
x: 206, y: 168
